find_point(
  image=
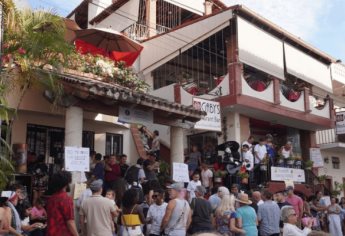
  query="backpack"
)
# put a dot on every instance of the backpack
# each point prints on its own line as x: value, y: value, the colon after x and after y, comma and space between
x: 132, y: 175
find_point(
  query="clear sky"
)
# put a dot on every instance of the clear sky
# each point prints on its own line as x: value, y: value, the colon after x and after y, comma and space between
x: 318, y: 22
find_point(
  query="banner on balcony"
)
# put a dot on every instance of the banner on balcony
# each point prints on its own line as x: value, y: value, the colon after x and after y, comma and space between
x: 316, y: 157
x: 283, y: 174
x: 212, y: 120
x: 340, y: 122
x: 135, y: 116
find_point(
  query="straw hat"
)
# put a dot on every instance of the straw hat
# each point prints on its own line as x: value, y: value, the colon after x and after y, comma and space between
x: 243, y: 198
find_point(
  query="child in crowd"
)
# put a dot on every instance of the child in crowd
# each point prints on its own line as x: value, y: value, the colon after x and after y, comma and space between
x: 110, y: 194
x: 248, y: 160
x: 192, y: 186
x: 38, y: 213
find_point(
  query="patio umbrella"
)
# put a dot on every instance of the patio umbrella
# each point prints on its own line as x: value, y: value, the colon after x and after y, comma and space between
x: 108, y: 40
x: 71, y: 28
x: 109, y: 43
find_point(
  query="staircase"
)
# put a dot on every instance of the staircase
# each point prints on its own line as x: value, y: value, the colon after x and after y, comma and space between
x: 138, y: 142
x: 164, y: 150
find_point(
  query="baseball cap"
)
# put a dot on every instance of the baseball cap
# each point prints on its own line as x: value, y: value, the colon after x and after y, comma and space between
x: 176, y: 186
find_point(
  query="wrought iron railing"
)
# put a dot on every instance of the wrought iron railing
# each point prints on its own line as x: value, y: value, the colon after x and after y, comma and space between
x: 140, y: 32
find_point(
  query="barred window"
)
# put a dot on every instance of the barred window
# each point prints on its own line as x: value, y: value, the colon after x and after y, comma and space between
x: 336, y: 162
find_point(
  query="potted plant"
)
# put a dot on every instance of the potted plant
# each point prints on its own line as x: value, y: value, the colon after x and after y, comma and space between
x: 218, y: 176
x: 244, y: 177
x: 322, y: 179
x: 280, y: 160
x: 290, y: 161
x: 308, y: 164
x: 263, y: 164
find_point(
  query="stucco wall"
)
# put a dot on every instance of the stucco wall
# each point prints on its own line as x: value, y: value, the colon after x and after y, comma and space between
x: 336, y: 174
x: 99, y: 127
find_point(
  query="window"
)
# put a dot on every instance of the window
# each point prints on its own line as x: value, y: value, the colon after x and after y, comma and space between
x: 89, y: 139
x: 336, y: 162
x: 113, y: 144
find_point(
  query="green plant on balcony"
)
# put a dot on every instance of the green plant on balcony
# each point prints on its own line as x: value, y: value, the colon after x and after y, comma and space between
x: 308, y: 164
x: 338, y: 188
x: 322, y: 178
x: 290, y: 160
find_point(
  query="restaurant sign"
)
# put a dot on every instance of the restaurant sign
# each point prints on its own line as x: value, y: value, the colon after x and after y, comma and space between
x: 212, y: 121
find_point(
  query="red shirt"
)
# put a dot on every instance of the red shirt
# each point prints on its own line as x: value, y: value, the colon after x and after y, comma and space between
x: 59, y: 211
x: 296, y: 202
x: 114, y: 174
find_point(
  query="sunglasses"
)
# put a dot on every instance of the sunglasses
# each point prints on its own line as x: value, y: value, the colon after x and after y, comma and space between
x: 294, y: 214
x: 154, y: 196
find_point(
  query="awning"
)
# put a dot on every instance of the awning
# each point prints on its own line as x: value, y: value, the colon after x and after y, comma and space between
x: 260, y: 49
x: 338, y: 72
x: 307, y: 68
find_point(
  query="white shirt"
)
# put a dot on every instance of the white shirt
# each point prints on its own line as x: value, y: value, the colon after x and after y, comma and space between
x: 205, y: 177
x: 191, y: 188
x: 260, y: 151
x: 293, y: 230
x: 247, y: 143
x: 248, y: 156
x: 260, y: 202
x: 156, y: 214
x: 85, y: 194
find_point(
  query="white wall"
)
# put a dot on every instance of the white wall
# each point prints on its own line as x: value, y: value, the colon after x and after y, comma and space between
x: 336, y: 174
x: 99, y: 127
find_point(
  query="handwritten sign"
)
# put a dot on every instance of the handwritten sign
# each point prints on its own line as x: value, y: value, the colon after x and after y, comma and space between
x: 77, y: 159
x: 316, y: 157
x: 283, y: 174
x: 180, y: 172
x: 79, y: 188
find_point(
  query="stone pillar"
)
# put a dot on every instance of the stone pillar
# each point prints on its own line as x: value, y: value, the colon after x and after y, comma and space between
x: 151, y: 17
x: 176, y: 145
x: 74, y: 134
x: 233, y: 127
x: 208, y: 7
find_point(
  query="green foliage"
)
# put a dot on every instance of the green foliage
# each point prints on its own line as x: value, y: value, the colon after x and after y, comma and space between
x: 164, y: 172
x: 243, y: 175
x: 308, y: 163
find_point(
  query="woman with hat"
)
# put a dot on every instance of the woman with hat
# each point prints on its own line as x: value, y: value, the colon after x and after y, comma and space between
x: 246, y: 215
x: 289, y: 217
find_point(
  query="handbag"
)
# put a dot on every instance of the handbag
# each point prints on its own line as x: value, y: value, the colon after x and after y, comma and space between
x: 132, y: 231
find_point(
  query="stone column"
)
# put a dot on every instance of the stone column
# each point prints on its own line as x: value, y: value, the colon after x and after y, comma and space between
x: 73, y: 135
x: 176, y: 145
x: 151, y: 17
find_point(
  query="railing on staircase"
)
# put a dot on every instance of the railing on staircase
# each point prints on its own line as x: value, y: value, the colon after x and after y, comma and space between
x: 315, y: 184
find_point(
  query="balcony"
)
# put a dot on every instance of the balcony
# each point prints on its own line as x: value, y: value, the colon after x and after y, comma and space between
x: 329, y: 140
x: 140, y: 32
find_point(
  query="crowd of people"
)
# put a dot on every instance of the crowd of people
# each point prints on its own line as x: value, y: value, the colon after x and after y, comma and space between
x: 133, y: 200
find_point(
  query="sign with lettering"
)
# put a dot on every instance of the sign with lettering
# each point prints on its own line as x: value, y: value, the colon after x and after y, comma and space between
x: 212, y: 121
x: 283, y: 174
x: 135, y: 116
x: 340, y: 122
x: 77, y: 159
x: 316, y: 157
x: 180, y: 172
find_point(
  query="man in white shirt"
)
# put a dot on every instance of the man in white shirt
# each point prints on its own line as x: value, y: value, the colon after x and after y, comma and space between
x: 206, y: 177
x: 192, y: 186
x: 248, y: 161
x: 249, y: 142
x: 156, y: 212
x: 260, y: 153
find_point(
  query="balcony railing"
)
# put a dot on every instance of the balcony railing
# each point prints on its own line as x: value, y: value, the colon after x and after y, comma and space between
x: 140, y: 32
x: 326, y: 136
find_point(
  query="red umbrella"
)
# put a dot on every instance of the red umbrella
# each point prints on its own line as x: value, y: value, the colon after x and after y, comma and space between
x: 108, y: 42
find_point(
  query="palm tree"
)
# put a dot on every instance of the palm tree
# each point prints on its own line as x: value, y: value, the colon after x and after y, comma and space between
x: 32, y: 39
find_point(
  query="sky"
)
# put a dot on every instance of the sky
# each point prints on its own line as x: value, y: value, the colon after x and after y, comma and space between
x: 319, y: 22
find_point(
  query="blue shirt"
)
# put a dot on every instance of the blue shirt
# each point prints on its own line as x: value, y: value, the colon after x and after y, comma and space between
x: 269, y: 217
x: 98, y: 171
x: 248, y: 216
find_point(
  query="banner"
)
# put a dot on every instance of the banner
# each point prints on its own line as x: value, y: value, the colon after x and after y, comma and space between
x: 316, y: 157
x: 180, y: 172
x: 340, y: 122
x: 135, y: 116
x: 283, y: 174
x: 212, y: 121
x: 77, y: 159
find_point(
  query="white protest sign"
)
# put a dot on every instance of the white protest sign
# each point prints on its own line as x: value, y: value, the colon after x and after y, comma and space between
x: 316, y: 157
x: 180, y: 172
x: 77, y: 159
x: 283, y: 174
x: 212, y: 120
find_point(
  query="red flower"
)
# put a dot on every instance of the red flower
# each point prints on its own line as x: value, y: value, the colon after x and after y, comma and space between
x: 21, y: 51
